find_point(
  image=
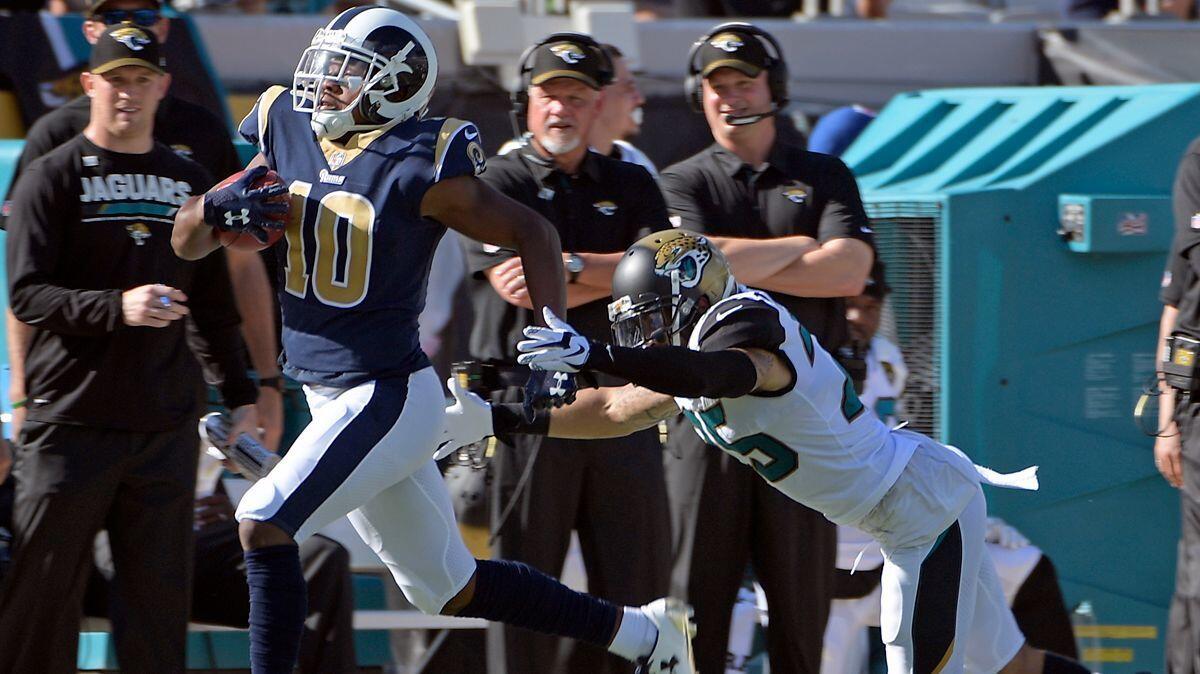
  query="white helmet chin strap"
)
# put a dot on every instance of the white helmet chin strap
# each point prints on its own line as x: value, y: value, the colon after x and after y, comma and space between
x: 332, y: 124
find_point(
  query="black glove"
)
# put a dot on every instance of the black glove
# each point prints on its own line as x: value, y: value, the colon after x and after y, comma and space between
x: 545, y: 390
x: 239, y: 207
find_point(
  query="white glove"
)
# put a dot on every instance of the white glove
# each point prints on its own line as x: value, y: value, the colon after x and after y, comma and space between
x: 556, y: 347
x: 468, y: 420
x: 1003, y: 534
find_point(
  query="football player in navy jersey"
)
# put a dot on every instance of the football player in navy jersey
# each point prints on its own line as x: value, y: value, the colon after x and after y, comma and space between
x: 373, y: 186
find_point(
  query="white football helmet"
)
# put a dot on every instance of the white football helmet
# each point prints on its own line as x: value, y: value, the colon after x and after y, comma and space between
x: 379, y: 52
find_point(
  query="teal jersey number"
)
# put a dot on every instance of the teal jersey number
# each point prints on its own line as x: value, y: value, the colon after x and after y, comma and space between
x: 781, y: 461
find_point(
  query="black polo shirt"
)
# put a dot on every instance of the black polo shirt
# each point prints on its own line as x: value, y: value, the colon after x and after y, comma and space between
x: 795, y: 192
x: 1185, y: 202
x: 604, y: 208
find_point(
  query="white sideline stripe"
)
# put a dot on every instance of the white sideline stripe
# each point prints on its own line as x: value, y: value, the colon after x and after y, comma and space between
x: 363, y: 620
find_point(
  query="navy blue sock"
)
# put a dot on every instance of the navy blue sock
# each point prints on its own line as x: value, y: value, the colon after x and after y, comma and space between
x: 520, y: 595
x: 278, y: 602
x: 1057, y: 664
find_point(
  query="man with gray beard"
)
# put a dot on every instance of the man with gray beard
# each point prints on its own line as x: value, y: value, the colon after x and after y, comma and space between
x: 610, y: 491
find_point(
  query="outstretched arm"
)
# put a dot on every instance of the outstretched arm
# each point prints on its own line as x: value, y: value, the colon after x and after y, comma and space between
x: 677, y: 371
x: 608, y: 412
x: 611, y: 412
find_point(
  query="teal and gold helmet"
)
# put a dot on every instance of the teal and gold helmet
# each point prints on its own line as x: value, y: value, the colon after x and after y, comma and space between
x: 663, y: 284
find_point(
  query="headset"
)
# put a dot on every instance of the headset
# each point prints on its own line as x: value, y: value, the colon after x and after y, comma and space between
x: 777, y: 72
x: 605, y: 74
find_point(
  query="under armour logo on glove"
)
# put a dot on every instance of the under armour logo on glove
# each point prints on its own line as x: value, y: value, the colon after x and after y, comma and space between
x: 556, y: 347
x: 560, y: 385
x: 545, y: 390
x: 237, y: 220
x: 241, y: 207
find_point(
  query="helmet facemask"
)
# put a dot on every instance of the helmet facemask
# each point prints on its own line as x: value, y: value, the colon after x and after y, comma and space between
x: 391, y: 87
x: 651, y: 319
x: 663, y: 284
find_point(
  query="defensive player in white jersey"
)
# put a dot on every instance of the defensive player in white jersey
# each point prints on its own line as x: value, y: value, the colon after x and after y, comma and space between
x: 754, y: 382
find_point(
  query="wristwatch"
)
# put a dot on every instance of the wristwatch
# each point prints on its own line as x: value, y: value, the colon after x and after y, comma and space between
x: 275, y: 382
x: 574, y: 266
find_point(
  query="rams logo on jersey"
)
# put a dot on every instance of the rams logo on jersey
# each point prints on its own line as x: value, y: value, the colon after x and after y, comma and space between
x: 131, y: 37
x: 795, y: 195
x: 682, y: 254
x: 478, y: 158
x: 139, y: 232
x: 568, y: 52
x: 605, y: 207
x: 728, y: 42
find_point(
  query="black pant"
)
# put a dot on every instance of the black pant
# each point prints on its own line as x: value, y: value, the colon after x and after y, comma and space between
x: 724, y: 515
x: 220, y: 595
x: 73, y: 481
x: 611, y: 492
x: 1183, y: 622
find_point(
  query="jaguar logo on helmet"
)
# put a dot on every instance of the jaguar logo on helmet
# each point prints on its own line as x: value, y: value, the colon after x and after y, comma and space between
x: 131, y: 37
x: 727, y: 42
x: 686, y: 255
x: 568, y: 52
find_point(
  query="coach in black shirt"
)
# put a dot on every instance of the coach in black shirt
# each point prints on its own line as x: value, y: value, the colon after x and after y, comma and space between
x: 791, y: 222
x: 193, y: 132
x: 610, y: 491
x: 110, y: 436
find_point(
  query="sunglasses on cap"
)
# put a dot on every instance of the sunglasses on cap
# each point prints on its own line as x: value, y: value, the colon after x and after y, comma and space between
x: 142, y: 17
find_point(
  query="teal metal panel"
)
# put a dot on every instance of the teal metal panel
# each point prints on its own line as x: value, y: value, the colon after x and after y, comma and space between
x: 1116, y: 224
x: 1042, y: 345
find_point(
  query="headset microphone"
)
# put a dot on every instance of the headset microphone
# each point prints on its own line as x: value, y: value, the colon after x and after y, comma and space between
x: 746, y: 120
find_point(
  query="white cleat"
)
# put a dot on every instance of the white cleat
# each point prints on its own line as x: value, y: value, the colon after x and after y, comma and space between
x: 672, y: 652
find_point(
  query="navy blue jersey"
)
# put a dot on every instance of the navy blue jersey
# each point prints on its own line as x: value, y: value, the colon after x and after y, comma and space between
x: 353, y: 278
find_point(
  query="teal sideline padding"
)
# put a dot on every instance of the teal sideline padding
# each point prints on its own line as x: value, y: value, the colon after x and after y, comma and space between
x: 1034, y: 345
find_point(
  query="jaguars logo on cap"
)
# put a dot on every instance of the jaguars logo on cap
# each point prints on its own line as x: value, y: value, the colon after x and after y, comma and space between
x: 605, y: 207
x: 795, y: 195
x: 727, y: 42
x: 686, y: 254
x: 569, y: 52
x: 131, y: 37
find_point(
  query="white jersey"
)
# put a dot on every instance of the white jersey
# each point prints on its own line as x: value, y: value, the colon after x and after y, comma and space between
x: 884, y: 385
x: 815, y: 441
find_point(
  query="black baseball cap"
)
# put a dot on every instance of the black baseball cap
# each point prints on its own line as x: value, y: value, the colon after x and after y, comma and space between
x: 96, y: 6
x: 569, y: 58
x: 735, y: 49
x: 126, y: 44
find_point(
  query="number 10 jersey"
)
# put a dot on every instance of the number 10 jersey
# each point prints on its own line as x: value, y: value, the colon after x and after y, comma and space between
x: 815, y: 441
x: 355, y: 260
